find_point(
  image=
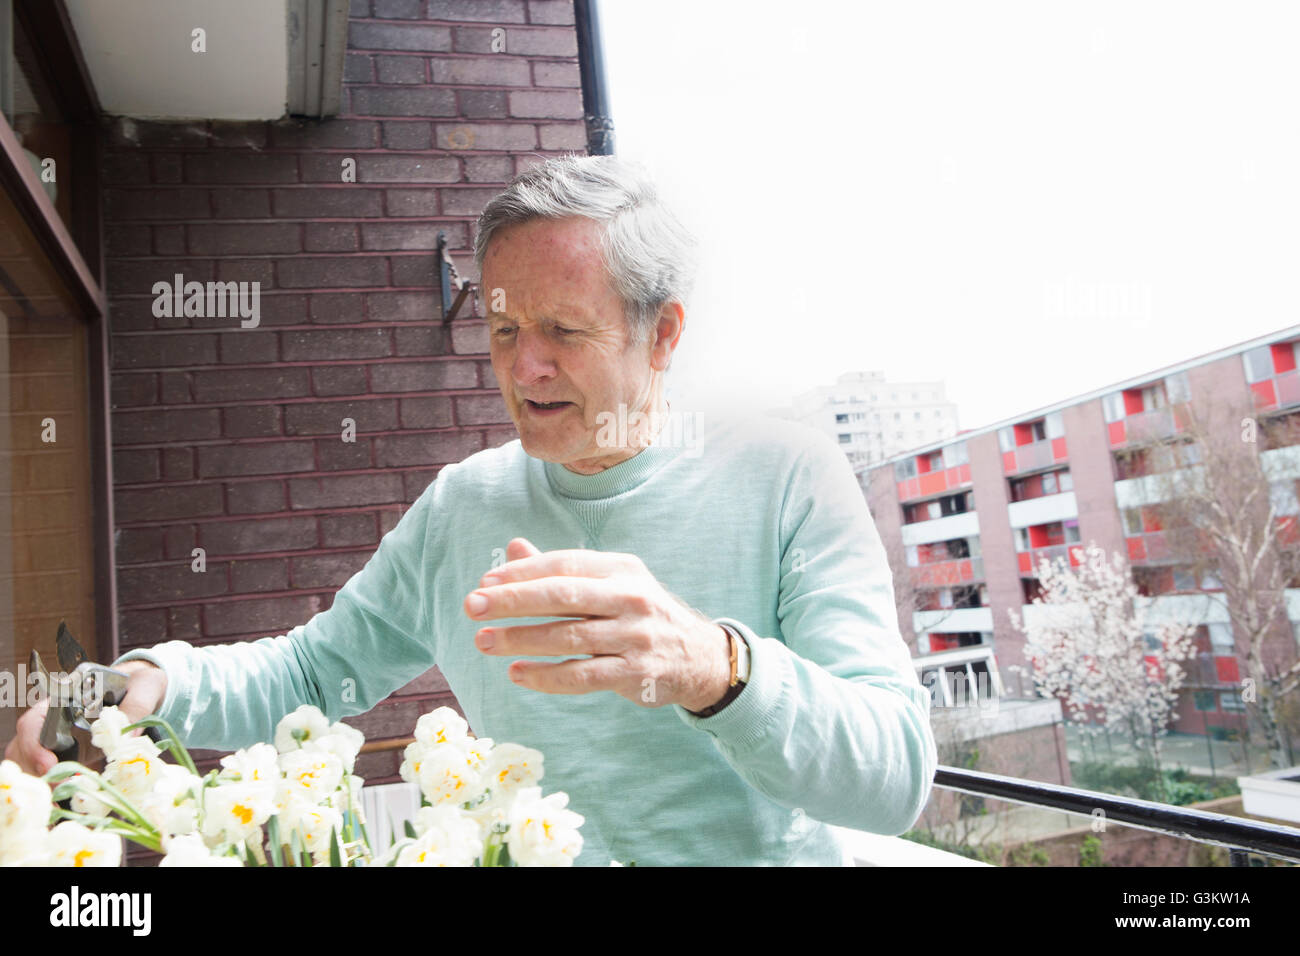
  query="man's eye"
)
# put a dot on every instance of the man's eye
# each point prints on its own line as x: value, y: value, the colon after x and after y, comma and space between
x: 563, y: 331
x: 503, y: 330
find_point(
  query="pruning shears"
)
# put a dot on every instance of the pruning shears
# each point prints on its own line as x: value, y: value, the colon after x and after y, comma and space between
x: 77, y: 693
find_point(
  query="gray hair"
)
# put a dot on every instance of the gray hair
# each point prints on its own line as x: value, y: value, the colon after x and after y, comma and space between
x: 649, y: 256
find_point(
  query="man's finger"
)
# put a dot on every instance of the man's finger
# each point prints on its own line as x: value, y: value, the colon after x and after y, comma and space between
x: 571, y: 677
x: 553, y: 639
x: 547, y: 597
x: 568, y: 562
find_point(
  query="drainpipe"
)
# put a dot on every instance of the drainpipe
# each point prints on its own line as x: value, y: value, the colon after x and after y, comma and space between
x: 591, y: 67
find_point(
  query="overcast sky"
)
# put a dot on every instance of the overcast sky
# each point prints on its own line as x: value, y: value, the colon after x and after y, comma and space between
x: 1026, y: 200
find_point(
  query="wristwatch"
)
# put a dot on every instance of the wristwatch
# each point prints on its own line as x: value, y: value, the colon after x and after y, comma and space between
x: 739, y: 670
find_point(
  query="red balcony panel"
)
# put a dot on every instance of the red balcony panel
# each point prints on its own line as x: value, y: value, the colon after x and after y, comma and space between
x: 913, y: 488
x: 902, y: 491
x: 932, y: 484
x: 1154, y: 670
x: 1116, y: 430
x: 1283, y: 357
x: 1157, y: 546
x: 1288, y: 532
x: 1025, y: 560
x: 1226, y: 669
x: 1008, y: 462
x: 1132, y: 401
x: 966, y: 571
x: 1076, y: 557
x: 1137, y: 549
x: 1265, y: 394
x: 963, y: 474
x: 1058, y: 449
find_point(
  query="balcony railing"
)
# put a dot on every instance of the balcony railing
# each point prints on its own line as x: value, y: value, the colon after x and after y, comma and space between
x: 1240, y: 837
x: 1039, y: 454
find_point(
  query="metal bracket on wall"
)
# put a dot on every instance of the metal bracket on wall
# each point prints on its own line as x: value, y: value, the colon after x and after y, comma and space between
x: 449, y: 279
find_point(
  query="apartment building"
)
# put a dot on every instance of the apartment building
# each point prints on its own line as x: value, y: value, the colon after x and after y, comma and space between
x: 872, y: 418
x: 968, y: 519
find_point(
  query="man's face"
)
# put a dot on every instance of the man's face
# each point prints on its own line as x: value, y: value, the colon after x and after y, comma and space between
x: 559, y: 337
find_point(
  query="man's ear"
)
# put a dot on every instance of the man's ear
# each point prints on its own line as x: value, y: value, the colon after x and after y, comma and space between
x: 667, y: 333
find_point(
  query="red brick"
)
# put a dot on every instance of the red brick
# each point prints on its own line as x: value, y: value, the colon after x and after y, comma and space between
x: 134, y: 466
x: 241, y: 203
x: 167, y: 168
x: 327, y: 570
x: 255, y: 497
x: 483, y: 104
x: 417, y: 480
x: 399, y: 235
x: 324, y: 418
x: 401, y: 69
x: 401, y: 306
x: 563, y: 136
x: 226, y: 384
x: 336, y: 344
x: 336, y: 307
x: 214, y: 168
x: 398, y: 9
x: 178, y: 464
x: 489, y: 169
x: 408, y: 136
x: 134, y: 389
x: 121, y: 204
x: 546, y: 104
x: 481, y: 410
x: 245, y: 239
x: 252, y: 421
x: 394, y: 36
x: 330, y: 237
x: 160, y: 504
x: 429, y: 683
x: 137, y: 276
x: 420, y: 340
x: 161, y: 351
x: 412, y: 202
x: 501, y: 136
x: 550, y: 11
x: 395, y: 451
x: 260, y: 458
x: 165, y: 424
x: 392, y: 718
x: 396, y: 101
x: 179, y: 542
x: 259, y: 575
x: 262, y: 534
x: 345, y: 491
x: 141, y: 628
x: 388, y: 519
x: 124, y: 169
x: 250, y: 347
x: 237, y: 135
x: 175, y: 388
x: 334, y: 272
x: 544, y: 41
x: 169, y: 240
x: 338, y: 380
x: 342, y: 530
x: 491, y: 11
x: 183, y: 622
x: 428, y: 412
x: 174, y: 582
x: 327, y: 133
x: 358, y: 68
x: 413, y: 270
x: 245, y: 270
x: 136, y: 545
x: 494, y: 70
x: 127, y: 241
x: 345, y: 200
x: 396, y: 168
x: 262, y: 616
x: 469, y: 338
x: 422, y: 376
x: 335, y: 455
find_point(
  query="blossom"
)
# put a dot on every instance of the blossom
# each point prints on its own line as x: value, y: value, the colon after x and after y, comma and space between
x: 135, y: 768
x: 71, y: 844
x: 108, y: 733
x: 309, y: 775
x: 235, y: 811
x: 511, y: 767
x: 445, y: 837
x: 172, y: 806
x: 441, y: 726
x: 258, y: 762
x: 450, y: 775
x: 314, y: 825
x: 542, y: 832
x: 25, y: 801
x: 295, y: 729
x: 343, y: 741
x: 190, y: 850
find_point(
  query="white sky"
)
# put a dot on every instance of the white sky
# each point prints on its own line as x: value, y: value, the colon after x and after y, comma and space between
x: 1027, y: 200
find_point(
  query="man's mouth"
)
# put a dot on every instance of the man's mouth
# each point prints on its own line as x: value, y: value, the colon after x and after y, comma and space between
x: 544, y: 407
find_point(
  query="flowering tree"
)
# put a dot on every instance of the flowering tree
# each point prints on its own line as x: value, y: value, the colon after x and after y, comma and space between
x: 1090, y: 651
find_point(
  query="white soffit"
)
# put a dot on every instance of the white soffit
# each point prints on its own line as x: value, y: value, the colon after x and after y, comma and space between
x: 140, y: 57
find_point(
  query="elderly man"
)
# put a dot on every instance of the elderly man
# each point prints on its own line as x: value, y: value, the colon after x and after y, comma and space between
x: 733, y: 596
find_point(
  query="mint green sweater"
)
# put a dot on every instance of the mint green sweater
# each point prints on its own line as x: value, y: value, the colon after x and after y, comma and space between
x: 752, y: 521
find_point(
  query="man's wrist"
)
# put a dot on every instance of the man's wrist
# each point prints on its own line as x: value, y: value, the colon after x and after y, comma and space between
x: 735, y: 644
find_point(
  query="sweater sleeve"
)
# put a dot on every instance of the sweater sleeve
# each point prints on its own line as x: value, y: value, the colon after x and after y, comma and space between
x: 833, y: 719
x: 373, y: 639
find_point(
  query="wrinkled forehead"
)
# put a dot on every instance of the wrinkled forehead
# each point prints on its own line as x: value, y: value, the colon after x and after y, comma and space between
x: 544, y: 259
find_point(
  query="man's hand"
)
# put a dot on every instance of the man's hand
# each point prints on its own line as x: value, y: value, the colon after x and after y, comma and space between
x: 146, y: 687
x: 646, y: 644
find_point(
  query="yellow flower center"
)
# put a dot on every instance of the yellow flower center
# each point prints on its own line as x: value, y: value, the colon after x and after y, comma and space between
x: 242, y: 813
x: 80, y: 858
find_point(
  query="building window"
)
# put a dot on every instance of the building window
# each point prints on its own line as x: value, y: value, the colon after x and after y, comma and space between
x: 845, y: 439
x: 1259, y: 364
x: 1049, y: 484
x: 1204, y: 700
x: 841, y: 419
x: 1230, y: 701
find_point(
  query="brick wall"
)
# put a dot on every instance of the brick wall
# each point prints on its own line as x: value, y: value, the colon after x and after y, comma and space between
x: 230, y: 439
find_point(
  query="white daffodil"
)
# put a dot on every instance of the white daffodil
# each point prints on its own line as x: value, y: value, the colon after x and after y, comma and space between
x: 136, y: 767
x: 449, y: 775
x: 441, y: 726
x: 71, y: 844
x: 314, y: 825
x: 343, y: 741
x: 542, y: 832
x: 510, y: 767
x: 25, y: 802
x: 304, y: 724
x: 172, y: 806
x: 446, y: 837
x: 349, y: 796
x: 234, y: 811
x: 108, y: 733
x: 310, y: 775
x: 86, y: 800
x: 258, y: 763
x: 190, y: 850
x: 412, y: 757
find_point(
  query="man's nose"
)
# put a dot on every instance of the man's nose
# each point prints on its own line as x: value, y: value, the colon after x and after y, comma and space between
x: 534, y: 358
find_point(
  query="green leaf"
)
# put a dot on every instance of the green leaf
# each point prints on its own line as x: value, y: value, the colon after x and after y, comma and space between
x: 336, y: 858
x: 296, y: 851
x: 273, y: 837
x: 410, y: 830
x: 172, y: 743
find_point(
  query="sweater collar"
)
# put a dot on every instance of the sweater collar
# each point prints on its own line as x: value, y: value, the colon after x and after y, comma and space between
x: 617, y: 479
